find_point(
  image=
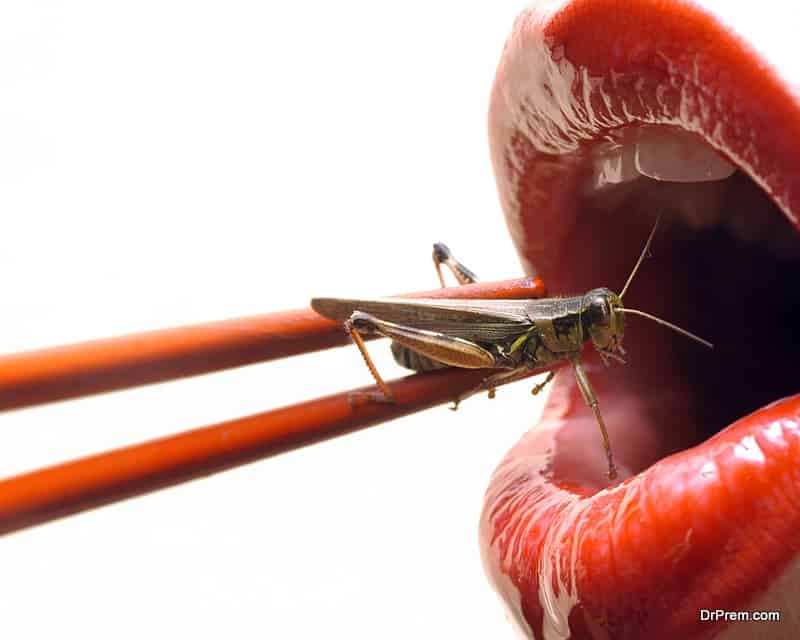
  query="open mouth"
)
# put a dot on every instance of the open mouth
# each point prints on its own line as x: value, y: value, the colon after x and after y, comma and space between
x: 602, y: 119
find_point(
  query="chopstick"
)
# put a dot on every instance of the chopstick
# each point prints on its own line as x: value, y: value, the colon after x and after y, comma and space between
x: 43, y: 495
x: 111, y: 364
x: 47, y: 494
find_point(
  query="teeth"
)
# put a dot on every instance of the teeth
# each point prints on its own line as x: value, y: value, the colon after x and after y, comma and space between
x: 659, y: 152
x: 688, y: 179
x: 614, y: 164
x: 674, y: 155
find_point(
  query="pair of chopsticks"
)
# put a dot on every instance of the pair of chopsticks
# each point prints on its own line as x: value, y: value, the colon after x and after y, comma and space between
x: 61, y: 373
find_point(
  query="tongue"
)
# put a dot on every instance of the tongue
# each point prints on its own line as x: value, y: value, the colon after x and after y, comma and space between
x: 637, y: 414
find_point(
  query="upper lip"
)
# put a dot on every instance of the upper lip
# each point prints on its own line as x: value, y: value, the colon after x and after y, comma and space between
x: 713, y: 526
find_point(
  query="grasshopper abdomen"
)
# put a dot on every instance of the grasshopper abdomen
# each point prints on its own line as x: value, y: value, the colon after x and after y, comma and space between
x: 410, y: 359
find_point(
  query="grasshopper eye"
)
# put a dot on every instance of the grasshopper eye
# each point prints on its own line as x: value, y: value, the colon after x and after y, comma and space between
x: 598, y: 312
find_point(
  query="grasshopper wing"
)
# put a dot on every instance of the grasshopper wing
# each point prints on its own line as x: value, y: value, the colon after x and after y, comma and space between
x: 476, y: 320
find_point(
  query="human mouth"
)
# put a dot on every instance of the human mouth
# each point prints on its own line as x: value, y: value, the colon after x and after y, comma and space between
x: 600, y: 120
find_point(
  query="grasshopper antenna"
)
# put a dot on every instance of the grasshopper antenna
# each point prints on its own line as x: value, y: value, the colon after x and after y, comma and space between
x: 641, y: 257
x: 674, y: 327
x: 644, y: 314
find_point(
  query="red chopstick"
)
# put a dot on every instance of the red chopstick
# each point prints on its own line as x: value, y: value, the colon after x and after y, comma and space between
x: 72, y: 371
x: 46, y: 494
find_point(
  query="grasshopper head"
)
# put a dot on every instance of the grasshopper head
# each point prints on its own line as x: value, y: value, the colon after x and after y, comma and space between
x: 603, y: 318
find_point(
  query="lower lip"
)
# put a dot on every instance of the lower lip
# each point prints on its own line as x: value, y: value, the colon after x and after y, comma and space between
x: 642, y: 557
x: 715, y: 524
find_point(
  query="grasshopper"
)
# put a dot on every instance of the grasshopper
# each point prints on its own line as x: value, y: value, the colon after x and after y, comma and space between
x: 516, y: 336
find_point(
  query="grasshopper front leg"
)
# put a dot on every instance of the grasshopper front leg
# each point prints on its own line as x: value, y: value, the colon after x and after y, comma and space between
x: 455, y: 352
x: 591, y: 400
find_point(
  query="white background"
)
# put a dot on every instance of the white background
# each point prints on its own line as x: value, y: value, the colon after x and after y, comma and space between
x: 164, y: 163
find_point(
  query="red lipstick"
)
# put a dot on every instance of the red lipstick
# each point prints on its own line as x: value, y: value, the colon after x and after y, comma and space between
x: 602, y: 117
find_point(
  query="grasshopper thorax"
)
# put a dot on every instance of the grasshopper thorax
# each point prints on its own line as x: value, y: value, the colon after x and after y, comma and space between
x: 603, y: 319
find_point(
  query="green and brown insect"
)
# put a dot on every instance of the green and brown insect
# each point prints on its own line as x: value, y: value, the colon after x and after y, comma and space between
x: 517, y: 336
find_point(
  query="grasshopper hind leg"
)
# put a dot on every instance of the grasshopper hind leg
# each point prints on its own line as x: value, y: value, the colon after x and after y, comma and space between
x: 409, y: 358
x: 431, y: 348
x: 352, y: 327
x: 415, y: 354
x: 443, y: 256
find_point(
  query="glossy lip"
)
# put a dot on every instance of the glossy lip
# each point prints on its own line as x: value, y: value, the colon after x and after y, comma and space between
x: 710, y: 527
